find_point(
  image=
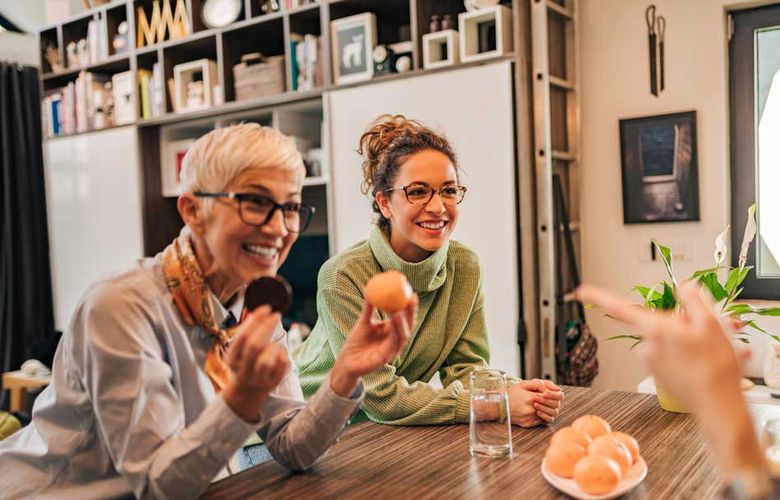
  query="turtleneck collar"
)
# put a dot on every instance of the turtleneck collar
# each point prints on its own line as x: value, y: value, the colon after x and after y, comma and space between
x: 424, y: 276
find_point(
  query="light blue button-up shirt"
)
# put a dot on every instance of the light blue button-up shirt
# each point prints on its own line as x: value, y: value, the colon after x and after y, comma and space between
x: 130, y: 411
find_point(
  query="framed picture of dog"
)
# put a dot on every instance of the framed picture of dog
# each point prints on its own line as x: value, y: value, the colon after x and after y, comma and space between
x: 352, y: 41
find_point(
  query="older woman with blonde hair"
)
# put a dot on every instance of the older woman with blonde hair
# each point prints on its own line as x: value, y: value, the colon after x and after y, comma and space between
x: 152, y: 388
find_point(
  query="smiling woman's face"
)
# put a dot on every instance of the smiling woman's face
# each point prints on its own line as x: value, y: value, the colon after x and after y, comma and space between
x: 416, y: 231
x: 237, y: 252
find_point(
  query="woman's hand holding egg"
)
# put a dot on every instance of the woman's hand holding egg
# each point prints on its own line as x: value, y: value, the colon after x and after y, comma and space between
x: 371, y: 344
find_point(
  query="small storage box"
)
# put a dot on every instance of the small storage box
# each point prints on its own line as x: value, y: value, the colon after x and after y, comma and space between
x: 256, y: 77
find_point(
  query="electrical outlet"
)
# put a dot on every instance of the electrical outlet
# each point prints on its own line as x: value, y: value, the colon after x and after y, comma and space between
x: 682, y: 250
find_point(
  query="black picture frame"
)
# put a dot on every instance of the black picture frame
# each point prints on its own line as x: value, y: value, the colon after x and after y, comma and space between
x: 659, y: 167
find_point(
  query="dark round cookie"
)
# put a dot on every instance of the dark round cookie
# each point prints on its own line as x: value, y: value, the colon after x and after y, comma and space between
x: 275, y: 292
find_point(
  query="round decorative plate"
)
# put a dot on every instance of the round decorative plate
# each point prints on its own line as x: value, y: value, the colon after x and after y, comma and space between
x: 220, y: 13
x: 635, y: 475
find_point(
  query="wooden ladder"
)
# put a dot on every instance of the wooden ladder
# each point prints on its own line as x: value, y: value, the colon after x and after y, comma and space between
x: 556, y: 112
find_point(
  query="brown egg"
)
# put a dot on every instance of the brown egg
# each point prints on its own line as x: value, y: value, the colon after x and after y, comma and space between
x: 562, y: 457
x: 570, y: 435
x: 389, y: 291
x: 596, y: 475
x: 630, y: 443
x: 592, y: 425
x: 609, y: 446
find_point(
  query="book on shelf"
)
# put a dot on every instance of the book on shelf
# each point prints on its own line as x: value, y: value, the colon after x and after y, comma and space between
x: 151, y: 92
x: 144, y: 81
x: 305, y: 61
x: 83, y: 105
x: 158, y: 91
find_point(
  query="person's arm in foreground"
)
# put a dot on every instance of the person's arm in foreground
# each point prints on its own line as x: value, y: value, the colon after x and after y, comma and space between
x: 692, y: 356
x: 137, y: 410
x: 297, y: 433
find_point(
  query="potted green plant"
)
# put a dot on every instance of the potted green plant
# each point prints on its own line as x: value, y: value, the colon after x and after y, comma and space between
x: 722, y: 281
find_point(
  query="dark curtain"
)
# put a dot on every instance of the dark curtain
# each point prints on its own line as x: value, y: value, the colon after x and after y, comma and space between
x: 26, y: 309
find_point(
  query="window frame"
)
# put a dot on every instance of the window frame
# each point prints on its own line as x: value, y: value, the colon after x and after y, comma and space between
x: 742, y: 139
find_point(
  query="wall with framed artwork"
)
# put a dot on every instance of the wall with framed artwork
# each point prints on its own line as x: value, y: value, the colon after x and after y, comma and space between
x: 618, y: 255
x: 659, y: 168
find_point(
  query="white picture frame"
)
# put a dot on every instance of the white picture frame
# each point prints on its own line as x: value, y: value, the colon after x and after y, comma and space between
x: 184, y: 73
x: 440, y: 49
x: 173, y: 154
x: 353, y: 40
x: 469, y: 26
x: 124, y: 97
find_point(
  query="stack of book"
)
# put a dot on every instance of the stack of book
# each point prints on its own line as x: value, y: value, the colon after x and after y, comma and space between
x: 91, y: 49
x: 305, y: 61
x: 84, y: 104
x: 97, y: 38
x: 152, y: 92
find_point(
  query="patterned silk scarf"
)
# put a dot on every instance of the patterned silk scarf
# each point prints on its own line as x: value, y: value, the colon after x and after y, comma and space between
x: 193, y: 299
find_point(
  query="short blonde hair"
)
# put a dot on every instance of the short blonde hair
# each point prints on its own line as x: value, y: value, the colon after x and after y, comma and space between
x: 215, y: 159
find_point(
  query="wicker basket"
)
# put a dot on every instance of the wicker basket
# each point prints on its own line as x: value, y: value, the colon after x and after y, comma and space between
x: 257, y: 79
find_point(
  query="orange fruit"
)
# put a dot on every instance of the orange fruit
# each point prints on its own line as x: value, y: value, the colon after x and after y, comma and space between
x: 596, y: 475
x: 389, y: 291
x: 592, y: 425
x: 609, y: 446
x: 570, y: 435
x: 561, y: 458
x: 630, y: 443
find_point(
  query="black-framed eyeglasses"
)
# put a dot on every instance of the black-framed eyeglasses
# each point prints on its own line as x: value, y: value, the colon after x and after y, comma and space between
x: 257, y: 210
x: 420, y: 194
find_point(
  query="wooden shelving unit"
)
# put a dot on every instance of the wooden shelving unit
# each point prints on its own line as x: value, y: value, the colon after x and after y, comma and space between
x: 397, y: 21
x: 253, y: 31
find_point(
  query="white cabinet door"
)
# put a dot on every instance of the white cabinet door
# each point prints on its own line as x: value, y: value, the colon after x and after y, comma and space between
x: 93, y: 194
x: 473, y: 107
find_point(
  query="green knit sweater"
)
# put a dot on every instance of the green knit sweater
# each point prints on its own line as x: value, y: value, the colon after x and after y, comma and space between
x: 449, y: 337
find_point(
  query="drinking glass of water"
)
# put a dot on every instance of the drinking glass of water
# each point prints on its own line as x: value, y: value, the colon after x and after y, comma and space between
x: 490, y: 430
x: 771, y: 438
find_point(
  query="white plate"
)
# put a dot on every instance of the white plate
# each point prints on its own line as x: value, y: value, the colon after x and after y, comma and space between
x: 635, y: 475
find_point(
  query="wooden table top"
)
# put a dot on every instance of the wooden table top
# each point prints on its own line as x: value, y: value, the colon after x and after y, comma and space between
x: 380, y: 461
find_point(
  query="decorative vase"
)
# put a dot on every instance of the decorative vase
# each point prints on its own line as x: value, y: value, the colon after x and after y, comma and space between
x: 667, y: 402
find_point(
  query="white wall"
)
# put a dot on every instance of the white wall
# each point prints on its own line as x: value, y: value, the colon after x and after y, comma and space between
x: 481, y: 132
x: 29, y: 16
x: 615, y: 84
x: 94, y: 209
x: 22, y: 49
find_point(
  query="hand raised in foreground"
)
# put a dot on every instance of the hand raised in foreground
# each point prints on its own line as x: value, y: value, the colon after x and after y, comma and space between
x: 534, y: 402
x: 257, y: 363
x: 689, y: 354
x: 370, y: 345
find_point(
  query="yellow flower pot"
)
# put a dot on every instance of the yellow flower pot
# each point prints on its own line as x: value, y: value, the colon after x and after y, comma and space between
x: 667, y: 402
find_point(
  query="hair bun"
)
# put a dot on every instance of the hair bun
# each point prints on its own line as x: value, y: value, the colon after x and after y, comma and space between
x: 378, y: 140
